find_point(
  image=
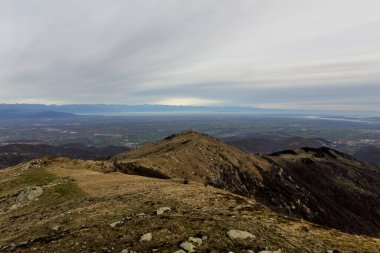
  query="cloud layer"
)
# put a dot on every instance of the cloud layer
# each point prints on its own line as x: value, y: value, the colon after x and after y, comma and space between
x: 293, y: 53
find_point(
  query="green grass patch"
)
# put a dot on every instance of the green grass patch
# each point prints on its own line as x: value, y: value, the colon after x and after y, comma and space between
x: 36, y: 178
x: 31, y: 178
x: 351, y: 186
x: 61, y: 193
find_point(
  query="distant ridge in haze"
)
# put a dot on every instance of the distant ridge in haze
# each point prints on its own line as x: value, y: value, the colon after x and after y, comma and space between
x: 117, y: 109
x: 21, y: 114
x: 114, y: 108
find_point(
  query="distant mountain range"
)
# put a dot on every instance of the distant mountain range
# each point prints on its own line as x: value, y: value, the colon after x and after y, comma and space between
x: 24, y: 115
x: 109, y: 109
x: 114, y: 109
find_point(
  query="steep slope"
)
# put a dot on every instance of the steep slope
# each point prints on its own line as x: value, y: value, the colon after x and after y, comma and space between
x: 64, y: 205
x: 342, y: 191
x: 320, y: 185
x: 194, y: 156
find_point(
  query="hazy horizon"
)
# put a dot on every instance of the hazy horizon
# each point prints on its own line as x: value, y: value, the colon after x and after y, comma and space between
x: 160, y: 109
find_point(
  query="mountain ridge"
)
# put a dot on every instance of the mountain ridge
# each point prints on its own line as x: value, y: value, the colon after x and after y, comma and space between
x: 270, y: 179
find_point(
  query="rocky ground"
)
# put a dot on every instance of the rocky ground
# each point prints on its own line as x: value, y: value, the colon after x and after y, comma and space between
x: 64, y: 205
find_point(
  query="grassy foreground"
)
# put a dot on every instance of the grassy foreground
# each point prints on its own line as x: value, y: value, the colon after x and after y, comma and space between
x: 84, y: 209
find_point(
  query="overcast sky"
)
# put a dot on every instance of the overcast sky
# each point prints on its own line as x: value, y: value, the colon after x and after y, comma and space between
x: 267, y: 53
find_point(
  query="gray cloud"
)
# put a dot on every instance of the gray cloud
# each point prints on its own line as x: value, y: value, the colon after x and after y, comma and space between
x: 271, y: 53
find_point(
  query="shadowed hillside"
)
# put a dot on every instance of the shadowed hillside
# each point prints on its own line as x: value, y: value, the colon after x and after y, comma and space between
x: 341, y: 191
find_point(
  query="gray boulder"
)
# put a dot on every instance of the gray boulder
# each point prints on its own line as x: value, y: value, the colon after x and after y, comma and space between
x: 162, y: 210
x: 26, y: 196
x: 270, y: 251
x: 196, y: 240
x: 146, y: 237
x: 188, y: 246
x: 239, y: 234
x: 29, y: 194
x: 117, y: 224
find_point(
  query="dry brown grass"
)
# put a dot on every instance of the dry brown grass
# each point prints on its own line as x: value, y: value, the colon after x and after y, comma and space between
x: 83, y: 220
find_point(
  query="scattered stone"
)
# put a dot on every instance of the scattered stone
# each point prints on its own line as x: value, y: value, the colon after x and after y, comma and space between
x: 128, y: 251
x: 196, y: 240
x: 239, y: 234
x: 13, y: 246
x: 188, y: 246
x: 180, y: 251
x: 249, y: 251
x: 117, y: 224
x: 162, y: 210
x: 269, y: 251
x: 105, y: 249
x: 55, y: 228
x: 146, y: 237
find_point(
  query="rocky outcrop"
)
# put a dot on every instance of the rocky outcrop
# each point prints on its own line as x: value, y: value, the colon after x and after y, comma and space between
x: 26, y: 196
